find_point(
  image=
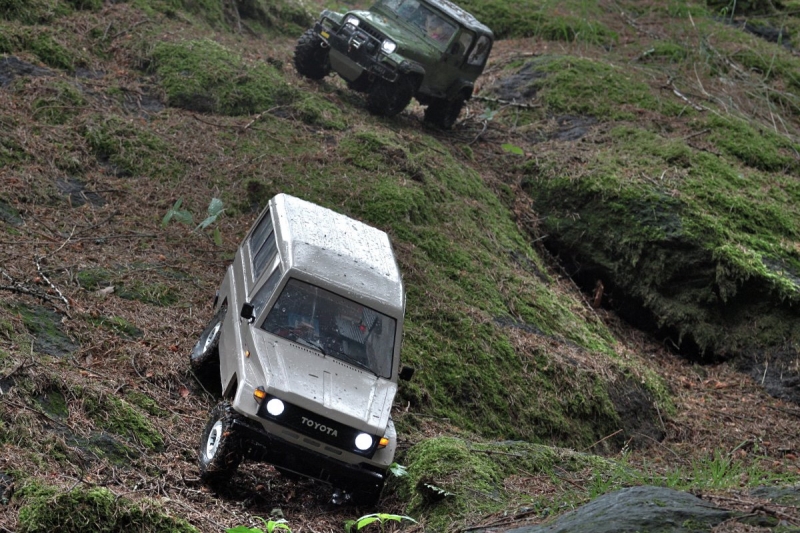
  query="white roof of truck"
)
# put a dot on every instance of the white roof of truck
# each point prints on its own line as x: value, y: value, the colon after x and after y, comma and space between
x: 342, y: 251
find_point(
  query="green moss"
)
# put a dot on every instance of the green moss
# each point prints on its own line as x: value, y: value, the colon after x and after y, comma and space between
x: 121, y: 418
x: 557, y: 21
x: 53, y: 403
x: 450, y: 478
x: 129, y: 149
x: 117, y: 325
x: 47, y: 509
x: 60, y: 102
x: 50, y: 51
x: 207, y: 77
x: 151, y: 292
x: 569, y: 85
x: 758, y: 148
x: 668, y: 51
x: 45, y: 326
x: 314, y: 110
x: 145, y: 403
x: 31, y: 11
x: 731, y: 224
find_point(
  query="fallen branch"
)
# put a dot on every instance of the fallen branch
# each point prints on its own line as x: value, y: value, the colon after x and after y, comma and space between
x: 52, y: 285
x: 511, y: 103
x: 20, y: 288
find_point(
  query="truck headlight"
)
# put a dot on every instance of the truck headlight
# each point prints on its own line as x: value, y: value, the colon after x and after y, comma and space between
x: 275, y: 407
x: 352, y: 21
x: 388, y: 46
x: 363, y: 442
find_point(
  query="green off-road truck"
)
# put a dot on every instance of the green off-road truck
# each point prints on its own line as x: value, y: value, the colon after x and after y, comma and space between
x: 431, y: 50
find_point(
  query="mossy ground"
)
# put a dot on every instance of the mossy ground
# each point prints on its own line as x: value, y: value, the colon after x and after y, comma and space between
x: 97, y: 509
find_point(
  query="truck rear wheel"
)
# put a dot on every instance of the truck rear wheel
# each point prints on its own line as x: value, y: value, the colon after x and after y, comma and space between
x: 220, y: 450
x: 204, y: 358
x: 387, y: 99
x: 311, y: 56
x: 444, y: 113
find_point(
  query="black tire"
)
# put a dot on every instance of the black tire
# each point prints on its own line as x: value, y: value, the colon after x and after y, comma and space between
x: 220, y: 447
x: 444, y: 113
x: 204, y: 358
x: 311, y: 56
x: 388, y: 99
x: 368, y: 498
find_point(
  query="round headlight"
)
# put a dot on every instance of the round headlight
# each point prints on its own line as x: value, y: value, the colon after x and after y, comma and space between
x: 275, y: 407
x: 363, y: 442
x: 352, y: 20
x: 389, y: 46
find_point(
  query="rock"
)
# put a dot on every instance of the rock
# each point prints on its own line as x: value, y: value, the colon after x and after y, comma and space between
x: 779, y: 495
x: 11, y: 67
x: 651, y: 509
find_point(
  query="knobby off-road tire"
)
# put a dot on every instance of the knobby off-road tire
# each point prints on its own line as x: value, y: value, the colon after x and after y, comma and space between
x: 388, y: 99
x: 310, y: 57
x: 220, y: 446
x: 204, y: 358
x: 444, y: 113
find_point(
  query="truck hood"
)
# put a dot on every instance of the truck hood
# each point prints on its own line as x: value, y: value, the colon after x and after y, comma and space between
x: 407, y: 36
x: 325, y: 385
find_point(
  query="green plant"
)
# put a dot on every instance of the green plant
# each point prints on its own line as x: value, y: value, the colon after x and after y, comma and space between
x: 215, y: 209
x: 398, y: 470
x: 381, y: 518
x: 269, y: 525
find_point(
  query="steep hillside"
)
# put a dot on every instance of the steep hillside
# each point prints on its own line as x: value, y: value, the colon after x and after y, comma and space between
x: 115, y: 114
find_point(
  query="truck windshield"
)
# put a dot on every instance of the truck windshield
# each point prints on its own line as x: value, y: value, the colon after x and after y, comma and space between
x: 334, y: 325
x: 430, y: 23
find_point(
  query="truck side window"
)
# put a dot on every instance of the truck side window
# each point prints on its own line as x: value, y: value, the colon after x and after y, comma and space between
x: 262, y: 245
x: 481, y: 52
x: 262, y: 295
x: 463, y: 43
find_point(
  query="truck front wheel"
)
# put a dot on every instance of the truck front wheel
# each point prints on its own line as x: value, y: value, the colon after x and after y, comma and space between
x: 387, y: 99
x: 220, y: 450
x: 311, y: 56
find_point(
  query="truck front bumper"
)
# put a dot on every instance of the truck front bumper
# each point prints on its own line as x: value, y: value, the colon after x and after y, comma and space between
x: 260, y: 445
x: 354, y: 53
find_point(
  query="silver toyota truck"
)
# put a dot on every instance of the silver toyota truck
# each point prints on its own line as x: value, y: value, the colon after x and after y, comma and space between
x: 304, y: 346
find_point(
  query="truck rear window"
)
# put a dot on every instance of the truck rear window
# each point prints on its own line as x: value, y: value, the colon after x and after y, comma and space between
x: 334, y: 325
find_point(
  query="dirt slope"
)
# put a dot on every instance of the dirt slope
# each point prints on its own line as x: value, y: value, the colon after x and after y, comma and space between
x: 110, y: 113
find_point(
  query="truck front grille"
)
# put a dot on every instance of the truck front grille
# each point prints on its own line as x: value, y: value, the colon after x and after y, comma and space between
x: 317, y: 427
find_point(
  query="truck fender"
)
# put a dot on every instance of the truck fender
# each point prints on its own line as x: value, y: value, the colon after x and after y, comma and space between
x: 461, y: 88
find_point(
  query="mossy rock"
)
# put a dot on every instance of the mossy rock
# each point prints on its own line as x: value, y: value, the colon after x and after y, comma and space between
x: 703, y: 252
x: 45, y: 326
x: 9, y: 214
x: 46, y: 509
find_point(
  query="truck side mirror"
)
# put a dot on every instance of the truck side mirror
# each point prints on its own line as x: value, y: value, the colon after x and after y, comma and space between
x: 406, y: 373
x: 247, y: 312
